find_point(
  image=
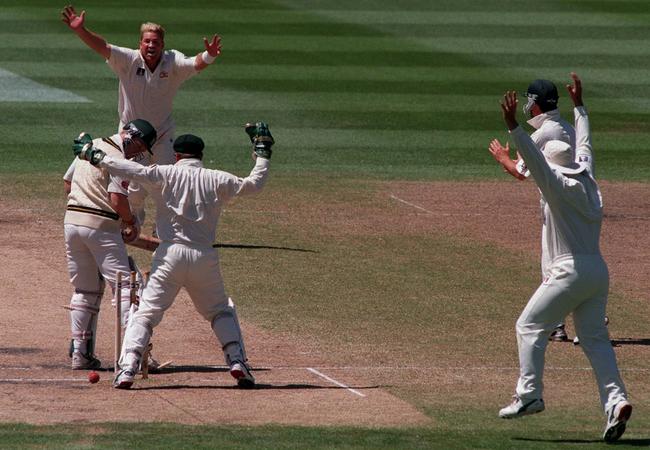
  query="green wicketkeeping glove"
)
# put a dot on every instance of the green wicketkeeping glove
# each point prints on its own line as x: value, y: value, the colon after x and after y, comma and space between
x: 83, y: 139
x: 261, y: 138
x: 88, y: 153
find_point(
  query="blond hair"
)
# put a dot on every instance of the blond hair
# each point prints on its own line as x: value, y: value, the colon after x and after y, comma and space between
x: 152, y: 27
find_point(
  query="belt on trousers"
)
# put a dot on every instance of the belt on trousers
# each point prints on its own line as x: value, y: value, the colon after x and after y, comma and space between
x: 95, y: 211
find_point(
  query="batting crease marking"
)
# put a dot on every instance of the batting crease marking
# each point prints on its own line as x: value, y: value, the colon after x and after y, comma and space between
x: 189, y: 413
x: 332, y: 380
x: 41, y: 380
x: 394, y: 197
x: 446, y: 214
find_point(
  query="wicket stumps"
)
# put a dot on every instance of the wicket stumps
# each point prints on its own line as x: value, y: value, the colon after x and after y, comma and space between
x: 118, y: 321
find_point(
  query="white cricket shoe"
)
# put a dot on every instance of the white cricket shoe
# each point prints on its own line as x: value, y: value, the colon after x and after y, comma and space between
x: 124, y: 379
x: 84, y: 362
x: 242, y: 373
x: 521, y: 407
x: 617, y: 418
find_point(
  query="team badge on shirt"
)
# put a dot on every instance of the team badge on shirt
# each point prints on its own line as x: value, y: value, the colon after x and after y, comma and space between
x: 125, y: 184
x: 140, y: 71
x: 164, y: 74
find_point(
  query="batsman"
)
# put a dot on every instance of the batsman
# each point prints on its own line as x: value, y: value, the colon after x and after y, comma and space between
x: 189, y: 199
x: 98, y: 221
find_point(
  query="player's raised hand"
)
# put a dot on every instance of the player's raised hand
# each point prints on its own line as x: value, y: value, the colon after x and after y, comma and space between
x: 70, y: 17
x: 261, y: 138
x: 509, y: 109
x: 575, y: 90
x: 499, y: 152
x: 213, y: 47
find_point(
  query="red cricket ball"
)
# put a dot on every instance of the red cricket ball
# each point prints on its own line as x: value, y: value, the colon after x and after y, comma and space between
x: 93, y: 377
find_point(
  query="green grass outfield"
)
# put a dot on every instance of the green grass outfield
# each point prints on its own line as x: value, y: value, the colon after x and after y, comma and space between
x: 356, y: 93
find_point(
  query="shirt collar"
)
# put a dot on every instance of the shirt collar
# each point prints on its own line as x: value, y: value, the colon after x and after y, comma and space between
x: 537, y: 121
x: 192, y: 162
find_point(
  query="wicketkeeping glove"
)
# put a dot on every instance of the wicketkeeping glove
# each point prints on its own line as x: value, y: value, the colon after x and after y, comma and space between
x: 93, y: 155
x: 261, y: 138
x: 83, y: 139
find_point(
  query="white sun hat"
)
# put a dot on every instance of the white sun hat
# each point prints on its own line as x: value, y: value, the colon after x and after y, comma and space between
x: 560, y: 156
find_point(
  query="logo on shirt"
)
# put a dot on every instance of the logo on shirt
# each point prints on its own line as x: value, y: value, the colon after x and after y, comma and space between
x: 125, y: 184
x: 140, y: 71
x: 583, y: 158
x: 164, y: 75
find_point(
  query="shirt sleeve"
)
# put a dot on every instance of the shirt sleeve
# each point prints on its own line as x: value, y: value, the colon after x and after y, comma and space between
x: 183, y: 65
x: 549, y: 181
x: 125, y: 169
x: 121, y: 59
x: 231, y: 186
x: 584, y: 151
x: 70, y: 172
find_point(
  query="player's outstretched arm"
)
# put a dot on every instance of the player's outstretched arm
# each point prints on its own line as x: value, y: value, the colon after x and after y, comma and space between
x: 76, y: 23
x: 212, y: 51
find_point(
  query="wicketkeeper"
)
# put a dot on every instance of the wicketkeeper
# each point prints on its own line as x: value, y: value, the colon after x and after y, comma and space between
x: 189, y: 200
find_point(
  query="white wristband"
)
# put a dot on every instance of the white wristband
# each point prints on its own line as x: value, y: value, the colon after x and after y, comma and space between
x: 207, y: 58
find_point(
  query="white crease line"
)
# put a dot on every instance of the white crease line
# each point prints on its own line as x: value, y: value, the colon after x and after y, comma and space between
x: 332, y: 380
x: 394, y: 197
x: 439, y: 213
x: 41, y: 380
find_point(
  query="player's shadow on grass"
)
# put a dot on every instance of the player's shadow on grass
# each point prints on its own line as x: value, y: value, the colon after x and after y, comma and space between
x: 264, y: 247
x: 622, y: 441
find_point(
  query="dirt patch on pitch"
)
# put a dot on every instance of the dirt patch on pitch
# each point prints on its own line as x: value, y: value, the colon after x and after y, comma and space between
x: 37, y: 386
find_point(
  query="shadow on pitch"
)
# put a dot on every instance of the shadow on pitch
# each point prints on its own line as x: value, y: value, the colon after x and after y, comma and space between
x: 263, y: 247
x: 622, y: 441
x: 187, y: 369
x: 630, y: 341
x: 258, y: 387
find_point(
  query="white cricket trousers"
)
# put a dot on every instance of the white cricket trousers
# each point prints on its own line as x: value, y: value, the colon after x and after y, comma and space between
x: 576, y: 284
x: 197, y: 270
x: 94, y: 255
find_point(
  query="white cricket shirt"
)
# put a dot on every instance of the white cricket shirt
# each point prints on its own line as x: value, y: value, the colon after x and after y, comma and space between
x: 189, y: 198
x: 149, y: 95
x: 572, y: 205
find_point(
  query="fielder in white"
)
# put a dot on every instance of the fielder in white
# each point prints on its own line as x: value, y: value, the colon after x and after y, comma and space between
x: 189, y: 200
x: 98, y: 220
x: 149, y: 80
x: 149, y: 77
x: 543, y: 115
x: 578, y: 279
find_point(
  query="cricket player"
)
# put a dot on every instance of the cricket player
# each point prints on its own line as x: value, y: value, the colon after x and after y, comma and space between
x: 189, y: 200
x: 98, y: 220
x: 544, y: 115
x: 578, y: 278
x: 149, y: 77
x: 149, y: 80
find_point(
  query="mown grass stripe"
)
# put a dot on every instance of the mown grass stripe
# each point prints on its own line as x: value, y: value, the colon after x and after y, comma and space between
x: 228, y: 70
x: 498, y: 17
x: 14, y: 88
x: 334, y: 44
